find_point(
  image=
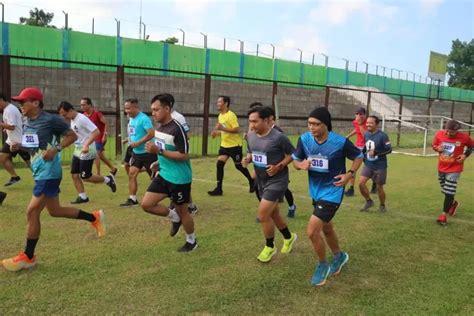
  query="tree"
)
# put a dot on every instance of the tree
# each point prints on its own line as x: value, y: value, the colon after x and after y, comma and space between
x: 171, y: 40
x: 461, y: 65
x: 38, y: 18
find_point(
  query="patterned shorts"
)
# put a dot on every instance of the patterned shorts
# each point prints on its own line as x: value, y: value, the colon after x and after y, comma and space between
x: 448, y: 182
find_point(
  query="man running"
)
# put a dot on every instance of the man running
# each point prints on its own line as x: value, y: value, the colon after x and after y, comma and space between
x: 99, y: 120
x: 140, y: 131
x: 323, y: 153
x: 360, y: 127
x: 450, y: 144
x: 377, y: 147
x: 231, y: 144
x: 84, y: 152
x: 41, y: 136
x: 13, y: 125
x: 175, y: 177
x: 270, y: 152
x: 288, y: 194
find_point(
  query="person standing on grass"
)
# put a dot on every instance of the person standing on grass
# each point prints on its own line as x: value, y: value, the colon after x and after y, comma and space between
x: 360, y: 128
x: 453, y: 148
x: 288, y: 194
x: 175, y: 177
x: 270, y: 152
x: 140, y: 131
x: 41, y: 137
x: 84, y: 152
x: 13, y: 125
x: 377, y: 147
x: 323, y: 153
x: 231, y: 144
x: 99, y: 120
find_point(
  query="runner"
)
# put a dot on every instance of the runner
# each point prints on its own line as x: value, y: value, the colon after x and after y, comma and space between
x: 13, y: 125
x: 99, y: 120
x: 231, y: 144
x: 140, y: 130
x: 41, y: 137
x: 450, y: 143
x: 323, y: 153
x: 84, y: 152
x: 175, y: 177
x: 377, y: 147
x: 270, y: 152
x: 360, y: 127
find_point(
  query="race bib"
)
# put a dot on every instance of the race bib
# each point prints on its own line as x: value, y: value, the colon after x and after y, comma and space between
x: 319, y: 163
x: 448, y: 148
x: 30, y: 140
x: 259, y: 159
x: 131, y: 130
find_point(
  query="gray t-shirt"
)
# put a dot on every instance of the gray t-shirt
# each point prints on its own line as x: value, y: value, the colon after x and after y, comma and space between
x: 269, y: 150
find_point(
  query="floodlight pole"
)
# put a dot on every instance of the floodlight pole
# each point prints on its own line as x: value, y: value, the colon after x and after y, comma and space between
x: 66, y: 20
x: 144, y: 29
x: 241, y: 46
x: 184, y: 34
x: 312, y: 61
x: 93, y: 25
x: 3, y: 12
x: 301, y: 55
x: 118, y: 27
x: 205, y: 39
x: 273, y: 51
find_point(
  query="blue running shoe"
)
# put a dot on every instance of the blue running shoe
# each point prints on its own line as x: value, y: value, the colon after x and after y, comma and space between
x: 336, y: 265
x: 320, y: 274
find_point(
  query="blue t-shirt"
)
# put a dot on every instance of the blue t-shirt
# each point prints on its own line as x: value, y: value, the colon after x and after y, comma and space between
x: 380, y: 142
x: 138, y: 127
x: 39, y: 135
x: 327, y: 161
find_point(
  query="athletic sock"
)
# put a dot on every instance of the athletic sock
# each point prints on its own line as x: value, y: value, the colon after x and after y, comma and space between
x: 173, y: 216
x: 289, y: 198
x: 86, y: 216
x: 220, y: 173
x: 133, y: 198
x: 83, y: 195
x: 448, y: 202
x: 270, y: 242
x: 30, y: 247
x: 190, y: 238
x: 286, y: 233
x: 106, y: 180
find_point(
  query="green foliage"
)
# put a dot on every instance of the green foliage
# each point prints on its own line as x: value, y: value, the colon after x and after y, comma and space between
x: 401, y: 262
x: 38, y: 18
x: 461, y: 65
x: 171, y: 40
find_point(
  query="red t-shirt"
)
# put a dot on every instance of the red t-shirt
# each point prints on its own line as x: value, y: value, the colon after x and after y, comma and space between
x: 95, y: 117
x: 453, y: 147
x: 360, y: 131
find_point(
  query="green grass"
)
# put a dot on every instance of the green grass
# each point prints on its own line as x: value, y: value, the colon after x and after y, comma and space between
x: 401, y: 262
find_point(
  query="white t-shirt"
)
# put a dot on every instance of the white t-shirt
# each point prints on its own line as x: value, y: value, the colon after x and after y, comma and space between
x: 181, y: 120
x: 83, y: 127
x: 12, y: 116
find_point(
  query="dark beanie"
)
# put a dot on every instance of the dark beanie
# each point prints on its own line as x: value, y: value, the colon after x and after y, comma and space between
x: 323, y: 115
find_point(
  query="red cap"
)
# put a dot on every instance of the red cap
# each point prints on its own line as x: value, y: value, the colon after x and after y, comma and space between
x: 29, y: 93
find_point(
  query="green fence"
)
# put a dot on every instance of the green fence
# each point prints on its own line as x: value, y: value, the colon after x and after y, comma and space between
x: 30, y: 41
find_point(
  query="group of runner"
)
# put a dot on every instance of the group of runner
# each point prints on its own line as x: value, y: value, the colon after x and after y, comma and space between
x: 320, y: 151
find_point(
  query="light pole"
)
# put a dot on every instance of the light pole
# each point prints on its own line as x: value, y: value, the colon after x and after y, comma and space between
x: 93, y: 25
x: 312, y: 61
x: 205, y: 39
x: 184, y: 34
x: 241, y: 46
x: 301, y: 55
x: 65, y: 20
x: 3, y: 12
x: 118, y: 26
x: 366, y: 67
x: 326, y: 60
x: 347, y: 71
x: 273, y: 51
x: 257, y: 49
x: 144, y: 30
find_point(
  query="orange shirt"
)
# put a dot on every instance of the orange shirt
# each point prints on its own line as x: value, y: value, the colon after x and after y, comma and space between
x: 453, y: 147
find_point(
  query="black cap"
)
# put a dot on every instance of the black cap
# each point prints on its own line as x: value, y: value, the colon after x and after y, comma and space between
x: 323, y: 115
x: 361, y: 110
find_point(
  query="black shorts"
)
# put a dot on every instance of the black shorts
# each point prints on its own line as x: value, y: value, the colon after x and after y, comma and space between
x: 82, y: 167
x: 128, y: 155
x: 325, y: 210
x: 23, y: 153
x: 143, y: 160
x: 178, y: 193
x: 234, y: 152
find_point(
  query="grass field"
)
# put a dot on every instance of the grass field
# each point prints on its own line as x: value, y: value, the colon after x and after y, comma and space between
x: 401, y: 262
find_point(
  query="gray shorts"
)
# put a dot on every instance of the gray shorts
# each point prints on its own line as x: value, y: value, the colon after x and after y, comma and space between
x: 378, y: 176
x: 448, y: 182
x: 272, y: 191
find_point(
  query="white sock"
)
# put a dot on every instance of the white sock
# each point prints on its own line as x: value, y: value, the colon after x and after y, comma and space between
x: 83, y: 195
x: 106, y: 180
x: 173, y: 216
x: 190, y: 238
x: 292, y: 207
x: 133, y: 197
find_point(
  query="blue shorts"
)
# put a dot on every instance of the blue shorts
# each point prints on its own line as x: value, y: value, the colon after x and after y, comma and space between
x: 99, y: 146
x: 50, y: 188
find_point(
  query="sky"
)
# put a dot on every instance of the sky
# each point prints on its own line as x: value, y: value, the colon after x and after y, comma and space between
x: 398, y: 35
